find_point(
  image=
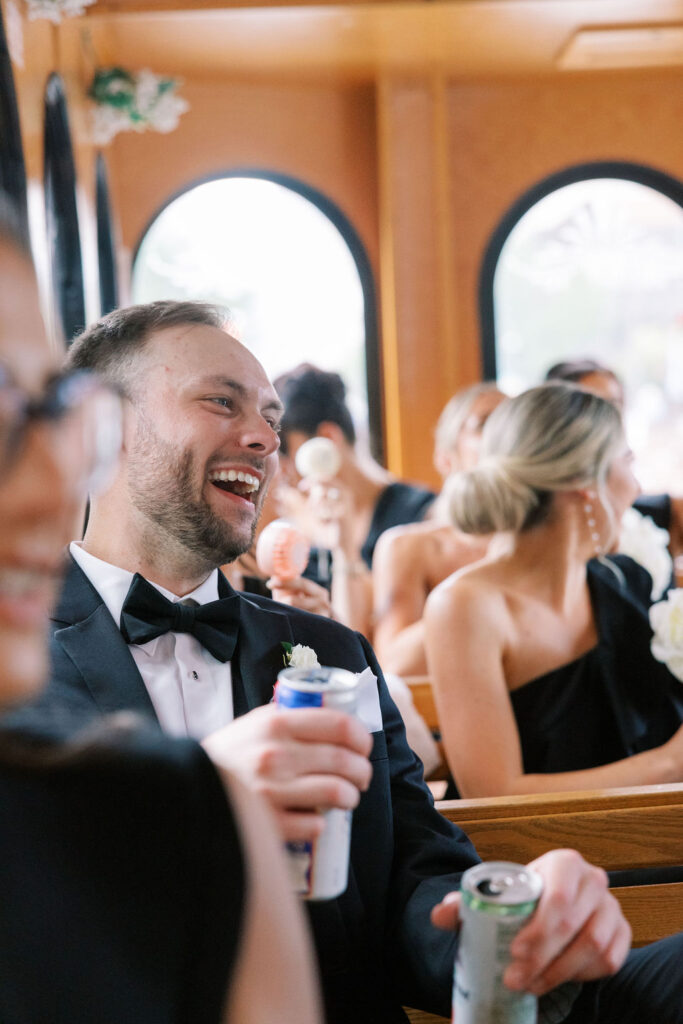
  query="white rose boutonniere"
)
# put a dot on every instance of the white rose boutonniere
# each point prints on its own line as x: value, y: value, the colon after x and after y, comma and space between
x: 299, y: 656
x: 666, y: 619
x: 645, y: 542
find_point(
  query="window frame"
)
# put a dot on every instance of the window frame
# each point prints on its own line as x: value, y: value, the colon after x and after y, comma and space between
x: 348, y: 232
x: 642, y: 174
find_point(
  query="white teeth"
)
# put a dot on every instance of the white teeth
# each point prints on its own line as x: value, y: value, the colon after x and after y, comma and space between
x: 232, y: 475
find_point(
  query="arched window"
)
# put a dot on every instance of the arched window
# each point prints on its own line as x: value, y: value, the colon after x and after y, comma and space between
x: 590, y: 264
x: 288, y: 266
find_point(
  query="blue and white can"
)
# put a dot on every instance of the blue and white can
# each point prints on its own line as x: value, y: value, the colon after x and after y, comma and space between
x: 320, y: 869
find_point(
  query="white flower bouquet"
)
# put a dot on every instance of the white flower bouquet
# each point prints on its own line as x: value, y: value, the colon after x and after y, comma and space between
x: 666, y: 619
x: 646, y: 543
x: 133, y: 101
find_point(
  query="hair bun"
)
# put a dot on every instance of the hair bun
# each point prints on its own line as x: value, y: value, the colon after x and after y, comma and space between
x: 489, y: 498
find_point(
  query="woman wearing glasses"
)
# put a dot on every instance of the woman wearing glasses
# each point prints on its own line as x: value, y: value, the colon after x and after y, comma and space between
x: 135, y: 883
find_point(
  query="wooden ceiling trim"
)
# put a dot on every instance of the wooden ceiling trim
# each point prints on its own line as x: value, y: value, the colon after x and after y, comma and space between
x: 459, y: 38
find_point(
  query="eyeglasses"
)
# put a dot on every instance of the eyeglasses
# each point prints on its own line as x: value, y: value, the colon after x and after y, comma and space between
x: 88, y: 415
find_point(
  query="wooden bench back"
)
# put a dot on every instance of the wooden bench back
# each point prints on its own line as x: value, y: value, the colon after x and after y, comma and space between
x: 619, y: 829
x: 423, y: 698
x: 639, y: 827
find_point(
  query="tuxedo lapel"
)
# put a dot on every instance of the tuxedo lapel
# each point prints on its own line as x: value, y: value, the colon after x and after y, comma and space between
x: 259, y: 653
x: 88, y: 634
x: 91, y: 638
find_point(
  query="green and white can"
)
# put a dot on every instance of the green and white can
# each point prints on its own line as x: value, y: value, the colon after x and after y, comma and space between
x: 497, y: 899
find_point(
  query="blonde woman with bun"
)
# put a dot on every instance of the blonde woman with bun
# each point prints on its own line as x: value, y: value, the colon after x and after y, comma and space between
x: 410, y: 560
x: 540, y: 653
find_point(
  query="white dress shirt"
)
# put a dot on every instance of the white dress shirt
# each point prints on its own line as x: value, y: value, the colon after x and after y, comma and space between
x: 191, y: 691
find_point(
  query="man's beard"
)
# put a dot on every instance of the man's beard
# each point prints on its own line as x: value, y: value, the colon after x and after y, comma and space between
x: 162, y: 489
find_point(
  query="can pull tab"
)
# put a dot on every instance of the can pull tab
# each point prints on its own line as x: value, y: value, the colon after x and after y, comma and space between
x: 495, y: 886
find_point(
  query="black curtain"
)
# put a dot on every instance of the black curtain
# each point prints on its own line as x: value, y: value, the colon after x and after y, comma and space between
x: 12, y: 169
x: 106, y: 250
x: 66, y: 267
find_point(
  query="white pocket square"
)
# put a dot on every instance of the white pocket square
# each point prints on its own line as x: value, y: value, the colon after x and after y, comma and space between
x: 368, y: 709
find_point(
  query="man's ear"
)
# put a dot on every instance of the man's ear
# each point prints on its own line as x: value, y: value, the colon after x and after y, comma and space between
x: 332, y: 431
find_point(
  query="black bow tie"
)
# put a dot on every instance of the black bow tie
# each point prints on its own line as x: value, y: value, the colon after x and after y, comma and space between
x: 147, y: 614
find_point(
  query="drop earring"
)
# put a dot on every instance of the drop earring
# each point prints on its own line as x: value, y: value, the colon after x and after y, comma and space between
x: 591, y: 522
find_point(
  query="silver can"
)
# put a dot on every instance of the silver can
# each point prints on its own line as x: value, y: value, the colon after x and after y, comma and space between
x: 320, y: 869
x: 497, y: 899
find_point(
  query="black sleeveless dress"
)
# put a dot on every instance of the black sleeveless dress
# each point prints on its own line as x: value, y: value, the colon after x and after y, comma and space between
x: 121, y: 885
x: 614, y: 701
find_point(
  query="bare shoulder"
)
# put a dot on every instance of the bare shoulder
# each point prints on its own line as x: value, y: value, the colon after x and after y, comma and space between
x: 473, y: 592
x: 412, y: 542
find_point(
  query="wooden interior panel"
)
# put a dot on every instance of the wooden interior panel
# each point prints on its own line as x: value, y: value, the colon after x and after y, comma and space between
x: 459, y: 37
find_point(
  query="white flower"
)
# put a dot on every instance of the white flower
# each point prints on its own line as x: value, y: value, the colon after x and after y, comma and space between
x: 133, y: 101
x: 54, y: 9
x: 159, y: 109
x: 645, y: 542
x: 303, y: 657
x: 666, y: 619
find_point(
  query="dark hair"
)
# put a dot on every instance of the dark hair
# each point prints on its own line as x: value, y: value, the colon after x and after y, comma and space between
x: 574, y: 370
x: 111, y: 345
x: 312, y: 396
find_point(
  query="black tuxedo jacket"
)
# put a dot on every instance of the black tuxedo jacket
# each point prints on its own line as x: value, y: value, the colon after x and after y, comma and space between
x: 376, y: 946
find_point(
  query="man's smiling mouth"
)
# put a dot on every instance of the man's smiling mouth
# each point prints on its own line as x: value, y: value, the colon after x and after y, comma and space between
x: 239, y: 482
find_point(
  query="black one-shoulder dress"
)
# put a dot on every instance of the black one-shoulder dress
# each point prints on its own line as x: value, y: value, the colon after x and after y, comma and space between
x: 614, y: 701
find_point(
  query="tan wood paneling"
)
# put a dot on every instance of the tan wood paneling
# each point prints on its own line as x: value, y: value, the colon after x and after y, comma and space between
x: 323, y: 136
x: 507, y: 136
x: 460, y: 37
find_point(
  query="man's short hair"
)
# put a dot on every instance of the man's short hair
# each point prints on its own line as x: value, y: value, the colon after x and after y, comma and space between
x: 112, y: 345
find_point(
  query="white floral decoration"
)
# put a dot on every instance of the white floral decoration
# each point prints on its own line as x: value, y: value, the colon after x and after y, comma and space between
x: 133, y: 101
x: 55, y: 10
x: 647, y: 543
x: 14, y: 28
x: 666, y: 619
x: 303, y: 657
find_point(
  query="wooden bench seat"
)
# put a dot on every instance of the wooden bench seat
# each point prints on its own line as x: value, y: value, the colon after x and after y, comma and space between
x: 619, y: 829
x: 631, y: 828
x: 635, y: 828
